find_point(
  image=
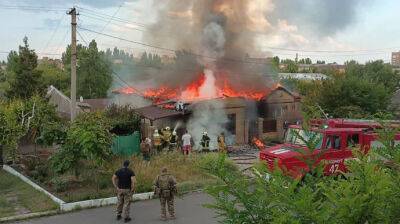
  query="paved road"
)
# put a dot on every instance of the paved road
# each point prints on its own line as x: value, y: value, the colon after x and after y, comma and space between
x: 188, y: 210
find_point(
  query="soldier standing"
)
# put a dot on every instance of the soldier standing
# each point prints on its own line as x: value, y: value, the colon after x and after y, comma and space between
x: 165, y: 188
x: 124, y: 181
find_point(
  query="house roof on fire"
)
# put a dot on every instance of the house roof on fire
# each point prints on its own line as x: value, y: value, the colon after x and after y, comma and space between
x: 155, y: 112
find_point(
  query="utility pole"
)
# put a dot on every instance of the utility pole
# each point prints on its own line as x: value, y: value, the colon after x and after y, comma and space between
x: 73, y: 14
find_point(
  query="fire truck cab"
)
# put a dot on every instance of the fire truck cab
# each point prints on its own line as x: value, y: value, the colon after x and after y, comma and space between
x: 334, y: 147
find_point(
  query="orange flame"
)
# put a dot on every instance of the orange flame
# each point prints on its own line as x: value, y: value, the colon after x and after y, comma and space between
x: 191, y: 92
x: 260, y: 145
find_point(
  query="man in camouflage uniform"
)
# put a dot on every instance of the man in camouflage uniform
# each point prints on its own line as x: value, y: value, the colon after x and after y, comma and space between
x: 165, y: 188
x: 124, y: 182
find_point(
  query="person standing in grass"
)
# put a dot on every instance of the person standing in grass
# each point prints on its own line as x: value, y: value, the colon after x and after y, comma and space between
x: 124, y: 181
x: 145, y: 149
x: 186, y: 143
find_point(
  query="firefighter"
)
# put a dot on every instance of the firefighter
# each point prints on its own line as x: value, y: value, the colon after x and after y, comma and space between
x: 221, y: 143
x: 157, y: 142
x: 166, y: 137
x: 173, y: 142
x: 205, y: 142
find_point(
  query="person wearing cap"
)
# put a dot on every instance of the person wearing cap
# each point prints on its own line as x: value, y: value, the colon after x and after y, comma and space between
x: 165, y: 189
x: 205, y: 142
x: 124, y: 182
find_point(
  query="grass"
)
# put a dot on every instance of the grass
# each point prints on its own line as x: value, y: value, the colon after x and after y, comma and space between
x: 186, y: 170
x: 17, y: 197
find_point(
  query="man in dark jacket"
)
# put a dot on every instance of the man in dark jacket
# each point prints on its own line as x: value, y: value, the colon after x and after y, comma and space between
x: 124, y: 181
x: 165, y: 188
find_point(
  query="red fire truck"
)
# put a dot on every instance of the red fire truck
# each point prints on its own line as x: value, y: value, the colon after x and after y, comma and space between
x: 334, y: 146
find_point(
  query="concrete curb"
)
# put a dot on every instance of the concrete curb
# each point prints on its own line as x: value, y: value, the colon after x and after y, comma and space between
x: 28, y: 216
x: 66, y: 207
x: 63, y: 206
x: 34, y: 185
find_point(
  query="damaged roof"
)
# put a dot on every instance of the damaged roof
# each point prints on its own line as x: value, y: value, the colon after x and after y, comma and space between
x: 154, y: 112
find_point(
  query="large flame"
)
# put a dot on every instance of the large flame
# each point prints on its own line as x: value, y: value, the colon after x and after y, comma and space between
x: 203, y: 88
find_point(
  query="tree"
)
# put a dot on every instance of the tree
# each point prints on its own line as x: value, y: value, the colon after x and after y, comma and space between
x: 363, y: 90
x: 93, y: 71
x: 53, y: 75
x: 123, y: 119
x: 11, y: 127
x: 27, y: 79
x: 292, y: 67
x: 88, y: 141
x: 305, y: 61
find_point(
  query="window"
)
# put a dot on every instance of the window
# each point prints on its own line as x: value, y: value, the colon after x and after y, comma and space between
x: 333, y: 142
x: 293, y: 137
x: 352, y: 140
x: 231, y: 125
x: 269, y: 126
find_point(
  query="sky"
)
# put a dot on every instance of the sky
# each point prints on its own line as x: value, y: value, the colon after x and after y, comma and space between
x: 334, y: 31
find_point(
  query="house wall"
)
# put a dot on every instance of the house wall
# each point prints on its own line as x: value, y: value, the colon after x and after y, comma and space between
x: 278, y: 107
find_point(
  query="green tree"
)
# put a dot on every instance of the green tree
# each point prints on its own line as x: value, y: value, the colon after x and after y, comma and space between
x: 11, y: 127
x: 93, y: 72
x: 87, y: 143
x: 23, y: 66
x: 292, y: 67
x: 363, y: 90
x: 53, y: 75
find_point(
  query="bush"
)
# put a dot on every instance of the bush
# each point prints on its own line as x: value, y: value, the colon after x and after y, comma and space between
x: 59, y: 184
x: 368, y: 194
x: 88, y: 142
x: 124, y: 120
x: 104, y: 182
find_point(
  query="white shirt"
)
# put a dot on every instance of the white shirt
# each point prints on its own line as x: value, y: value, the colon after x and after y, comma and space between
x: 186, y: 139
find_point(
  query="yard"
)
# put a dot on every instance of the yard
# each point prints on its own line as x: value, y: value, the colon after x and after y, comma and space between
x: 17, y: 197
x: 96, y: 183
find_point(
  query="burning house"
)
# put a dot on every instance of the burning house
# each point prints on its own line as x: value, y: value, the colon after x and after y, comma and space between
x: 215, y: 85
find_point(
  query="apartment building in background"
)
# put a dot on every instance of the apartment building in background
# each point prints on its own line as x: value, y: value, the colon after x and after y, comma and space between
x: 396, y: 59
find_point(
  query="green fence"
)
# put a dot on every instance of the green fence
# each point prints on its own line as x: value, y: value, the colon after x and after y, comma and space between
x: 127, y: 145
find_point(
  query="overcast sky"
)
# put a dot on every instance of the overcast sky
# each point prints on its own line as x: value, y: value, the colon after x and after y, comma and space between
x: 355, y: 29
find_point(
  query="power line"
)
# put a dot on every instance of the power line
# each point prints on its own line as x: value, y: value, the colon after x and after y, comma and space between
x: 231, y: 60
x: 82, y: 38
x: 54, y: 32
x: 30, y: 8
x: 41, y: 53
x: 114, y: 18
x: 108, y: 22
x: 105, y: 20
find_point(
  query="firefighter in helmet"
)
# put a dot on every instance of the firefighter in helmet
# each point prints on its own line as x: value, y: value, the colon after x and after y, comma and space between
x: 157, y: 142
x: 173, y: 142
x: 221, y: 143
x: 166, y: 136
x: 205, y: 142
